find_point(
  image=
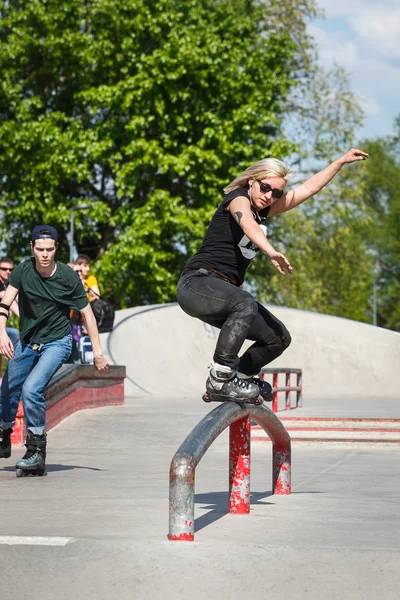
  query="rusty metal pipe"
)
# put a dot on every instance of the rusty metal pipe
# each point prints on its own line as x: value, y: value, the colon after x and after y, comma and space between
x: 186, y: 459
x: 281, y: 451
x: 184, y: 463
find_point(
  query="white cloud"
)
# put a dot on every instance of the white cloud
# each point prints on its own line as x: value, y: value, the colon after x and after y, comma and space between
x: 379, y: 32
x: 335, y: 47
x: 355, y: 8
x: 364, y: 37
x: 377, y: 26
x: 370, y: 106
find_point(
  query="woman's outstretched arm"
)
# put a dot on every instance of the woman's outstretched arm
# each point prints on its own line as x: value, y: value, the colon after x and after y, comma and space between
x: 315, y: 184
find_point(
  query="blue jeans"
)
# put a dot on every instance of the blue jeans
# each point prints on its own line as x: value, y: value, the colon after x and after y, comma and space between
x: 27, y: 374
x: 13, y: 334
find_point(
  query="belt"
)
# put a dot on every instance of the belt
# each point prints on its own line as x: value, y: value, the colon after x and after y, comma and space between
x: 218, y: 273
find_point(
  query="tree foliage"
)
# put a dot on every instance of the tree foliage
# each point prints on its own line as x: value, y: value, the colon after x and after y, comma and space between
x: 145, y: 112
x: 382, y: 197
x: 322, y: 116
x: 325, y: 240
x: 344, y: 243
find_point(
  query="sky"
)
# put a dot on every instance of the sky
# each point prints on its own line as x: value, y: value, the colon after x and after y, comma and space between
x: 364, y: 37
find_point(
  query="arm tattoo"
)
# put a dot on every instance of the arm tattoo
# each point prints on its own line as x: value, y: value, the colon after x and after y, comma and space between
x: 238, y: 216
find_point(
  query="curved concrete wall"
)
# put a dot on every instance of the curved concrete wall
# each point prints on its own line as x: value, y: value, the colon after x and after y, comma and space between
x: 166, y: 352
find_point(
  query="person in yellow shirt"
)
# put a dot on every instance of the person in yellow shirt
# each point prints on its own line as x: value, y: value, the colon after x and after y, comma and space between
x: 103, y: 310
x: 82, y: 267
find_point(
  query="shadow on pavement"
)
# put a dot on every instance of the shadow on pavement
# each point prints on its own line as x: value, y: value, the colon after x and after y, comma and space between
x: 62, y: 468
x: 217, y: 503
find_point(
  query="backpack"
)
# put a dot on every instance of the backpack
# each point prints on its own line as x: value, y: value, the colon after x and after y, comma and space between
x: 104, y: 314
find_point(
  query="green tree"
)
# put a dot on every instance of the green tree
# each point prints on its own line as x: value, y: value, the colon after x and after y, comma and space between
x: 344, y: 242
x: 382, y: 196
x: 323, y: 116
x: 325, y: 238
x: 146, y: 111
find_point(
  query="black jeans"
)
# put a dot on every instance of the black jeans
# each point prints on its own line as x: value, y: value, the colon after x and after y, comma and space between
x: 212, y: 299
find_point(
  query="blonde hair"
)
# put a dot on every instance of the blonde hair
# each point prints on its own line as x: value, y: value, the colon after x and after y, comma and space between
x: 268, y: 167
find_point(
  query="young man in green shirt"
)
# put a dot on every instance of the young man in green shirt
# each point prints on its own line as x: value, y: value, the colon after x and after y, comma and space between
x: 47, y: 291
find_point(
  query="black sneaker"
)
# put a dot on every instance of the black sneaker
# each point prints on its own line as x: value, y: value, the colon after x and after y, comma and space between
x: 33, y: 460
x: 5, y: 443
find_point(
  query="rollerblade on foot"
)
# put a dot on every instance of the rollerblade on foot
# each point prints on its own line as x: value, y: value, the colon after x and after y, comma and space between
x: 265, y: 388
x: 225, y: 385
x: 5, y: 443
x: 33, y: 462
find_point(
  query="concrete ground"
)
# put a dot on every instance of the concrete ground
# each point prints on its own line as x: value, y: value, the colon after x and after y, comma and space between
x: 343, y: 406
x: 96, y: 527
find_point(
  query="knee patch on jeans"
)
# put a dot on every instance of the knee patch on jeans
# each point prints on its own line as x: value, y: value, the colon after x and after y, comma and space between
x: 247, y: 308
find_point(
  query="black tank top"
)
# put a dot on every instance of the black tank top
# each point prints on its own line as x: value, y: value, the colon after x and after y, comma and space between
x: 225, y: 247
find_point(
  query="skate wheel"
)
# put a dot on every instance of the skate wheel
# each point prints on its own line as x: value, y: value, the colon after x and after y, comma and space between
x: 206, y: 398
x: 27, y: 473
x: 259, y: 401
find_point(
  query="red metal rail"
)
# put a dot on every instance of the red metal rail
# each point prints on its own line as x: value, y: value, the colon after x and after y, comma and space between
x: 183, y: 465
x: 287, y: 388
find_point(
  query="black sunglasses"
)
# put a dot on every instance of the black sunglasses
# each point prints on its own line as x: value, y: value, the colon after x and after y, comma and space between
x: 265, y: 187
x: 11, y: 269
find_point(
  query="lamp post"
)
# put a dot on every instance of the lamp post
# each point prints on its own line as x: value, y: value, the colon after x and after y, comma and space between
x: 376, y: 285
x: 71, y: 229
x: 374, y: 302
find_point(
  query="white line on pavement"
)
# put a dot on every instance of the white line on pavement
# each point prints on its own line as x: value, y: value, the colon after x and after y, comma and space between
x: 347, y: 457
x: 22, y: 540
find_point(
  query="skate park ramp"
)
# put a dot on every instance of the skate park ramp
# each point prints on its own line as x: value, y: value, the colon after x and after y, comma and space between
x: 98, y: 524
x: 166, y: 352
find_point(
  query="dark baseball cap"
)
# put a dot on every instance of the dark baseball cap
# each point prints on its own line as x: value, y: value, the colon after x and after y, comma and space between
x: 44, y: 232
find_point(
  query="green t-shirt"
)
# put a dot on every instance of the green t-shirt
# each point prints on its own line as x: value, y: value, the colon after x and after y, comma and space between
x: 45, y: 302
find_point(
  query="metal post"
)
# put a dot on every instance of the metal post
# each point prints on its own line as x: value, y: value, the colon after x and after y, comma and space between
x: 186, y: 459
x: 181, y: 499
x: 288, y: 404
x: 275, y: 385
x: 71, y: 228
x: 281, y: 471
x: 288, y: 388
x: 374, y: 303
x: 239, y: 467
x: 299, y: 393
x: 71, y: 236
x: 281, y: 448
x: 184, y: 463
